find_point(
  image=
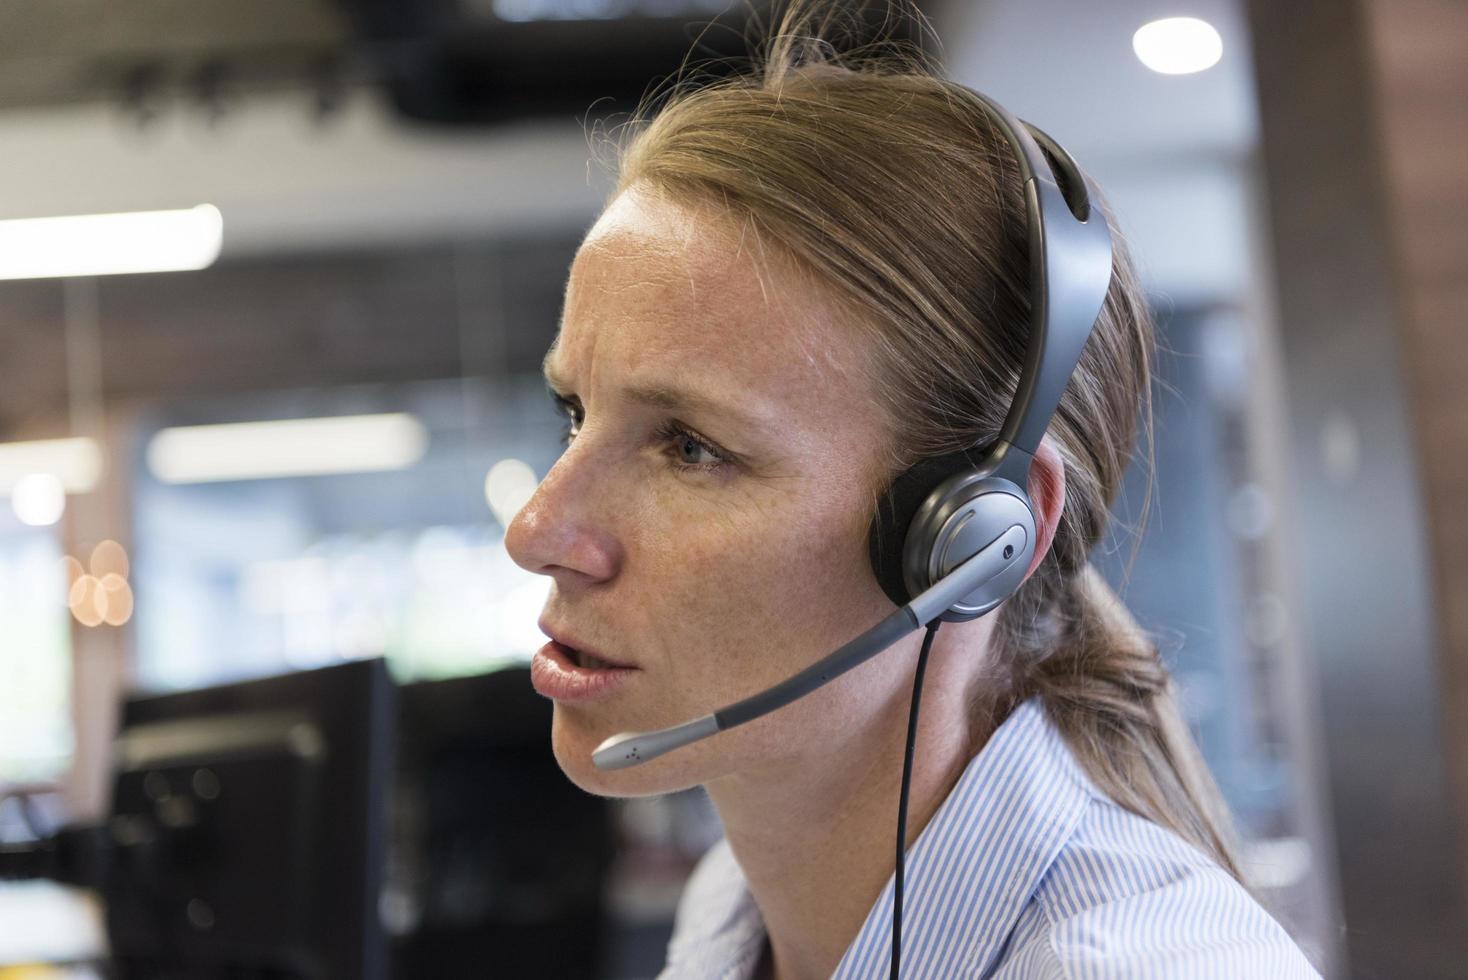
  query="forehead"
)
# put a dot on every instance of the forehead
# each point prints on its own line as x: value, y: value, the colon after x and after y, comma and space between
x: 663, y: 289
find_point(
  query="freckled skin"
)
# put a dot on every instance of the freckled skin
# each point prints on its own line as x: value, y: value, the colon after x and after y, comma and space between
x: 720, y: 584
x: 716, y: 584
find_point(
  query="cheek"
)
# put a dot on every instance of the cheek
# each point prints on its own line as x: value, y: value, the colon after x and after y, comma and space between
x: 732, y: 599
x: 791, y: 569
x: 739, y: 548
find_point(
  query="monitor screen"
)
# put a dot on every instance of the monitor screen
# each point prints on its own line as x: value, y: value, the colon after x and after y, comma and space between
x: 248, y: 829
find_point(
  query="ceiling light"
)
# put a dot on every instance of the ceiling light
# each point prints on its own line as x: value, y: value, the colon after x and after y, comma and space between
x: 293, y: 447
x: 108, y: 244
x: 1178, y: 45
x: 77, y: 463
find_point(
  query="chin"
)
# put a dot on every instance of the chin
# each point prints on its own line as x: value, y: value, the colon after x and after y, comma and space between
x: 573, y: 741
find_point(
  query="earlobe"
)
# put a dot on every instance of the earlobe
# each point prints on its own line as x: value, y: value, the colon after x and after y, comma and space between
x: 1047, y: 497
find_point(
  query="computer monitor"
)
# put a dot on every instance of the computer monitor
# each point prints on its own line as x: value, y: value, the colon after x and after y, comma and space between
x: 501, y: 862
x: 247, y: 837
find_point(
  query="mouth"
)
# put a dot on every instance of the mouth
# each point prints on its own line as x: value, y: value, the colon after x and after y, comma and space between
x: 566, y: 674
x: 587, y: 661
x: 580, y: 656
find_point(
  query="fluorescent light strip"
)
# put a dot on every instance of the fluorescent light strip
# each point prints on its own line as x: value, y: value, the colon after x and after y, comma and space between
x: 293, y: 447
x: 77, y: 463
x: 110, y: 244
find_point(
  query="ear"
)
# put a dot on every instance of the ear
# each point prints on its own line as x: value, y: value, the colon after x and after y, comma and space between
x: 1047, y: 496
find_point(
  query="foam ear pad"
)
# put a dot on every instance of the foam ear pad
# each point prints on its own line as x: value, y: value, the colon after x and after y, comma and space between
x: 887, y: 537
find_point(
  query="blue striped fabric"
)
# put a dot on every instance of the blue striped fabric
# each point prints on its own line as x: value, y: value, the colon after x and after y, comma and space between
x: 1026, y: 870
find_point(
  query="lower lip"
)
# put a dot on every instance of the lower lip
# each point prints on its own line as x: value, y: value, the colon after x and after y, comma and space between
x: 554, y: 674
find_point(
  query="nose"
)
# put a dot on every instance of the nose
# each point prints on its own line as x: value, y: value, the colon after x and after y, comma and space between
x: 561, y: 530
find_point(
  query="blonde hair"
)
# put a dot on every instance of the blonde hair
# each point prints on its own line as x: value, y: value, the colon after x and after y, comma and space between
x: 890, y: 185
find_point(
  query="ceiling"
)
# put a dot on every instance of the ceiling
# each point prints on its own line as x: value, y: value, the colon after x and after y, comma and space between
x: 1068, y: 67
x: 66, y: 52
x: 1173, y: 153
x: 1051, y: 60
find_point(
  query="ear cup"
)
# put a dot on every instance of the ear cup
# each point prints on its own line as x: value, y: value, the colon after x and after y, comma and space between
x: 961, y: 518
x: 940, y: 513
x: 887, y: 537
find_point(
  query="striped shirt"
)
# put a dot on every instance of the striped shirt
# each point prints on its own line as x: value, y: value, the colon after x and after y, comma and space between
x: 1026, y: 870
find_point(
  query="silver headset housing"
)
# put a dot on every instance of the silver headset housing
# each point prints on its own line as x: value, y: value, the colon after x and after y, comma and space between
x: 964, y: 514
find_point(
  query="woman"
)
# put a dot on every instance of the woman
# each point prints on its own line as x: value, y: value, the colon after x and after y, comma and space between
x: 805, y: 280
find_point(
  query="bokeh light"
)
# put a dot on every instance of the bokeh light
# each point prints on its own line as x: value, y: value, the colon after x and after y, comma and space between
x: 39, y: 499
x: 73, y: 569
x: 88, y: 600
x: 99, y: 592
x: 108, y: 558
x: 1178, y: 45
x: 508, y: 487
x: 117, y: 607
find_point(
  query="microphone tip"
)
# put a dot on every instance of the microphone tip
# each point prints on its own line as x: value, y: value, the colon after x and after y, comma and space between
x: 635, y: 748
x: 618, y: 752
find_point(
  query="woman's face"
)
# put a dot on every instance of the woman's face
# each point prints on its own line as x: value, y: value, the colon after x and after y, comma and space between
x: 707, y: 521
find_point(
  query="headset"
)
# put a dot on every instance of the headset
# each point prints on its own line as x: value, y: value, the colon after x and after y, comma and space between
x: 953, y: 535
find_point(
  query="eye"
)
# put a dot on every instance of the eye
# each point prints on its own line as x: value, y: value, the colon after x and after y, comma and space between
x: 691, y: 452
x: 570, y: 410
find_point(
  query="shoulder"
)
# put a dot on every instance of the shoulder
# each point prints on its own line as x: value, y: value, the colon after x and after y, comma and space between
x: 1126, y: 897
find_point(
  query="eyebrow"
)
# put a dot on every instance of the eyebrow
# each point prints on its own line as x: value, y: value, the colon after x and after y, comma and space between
x: 670, y: 397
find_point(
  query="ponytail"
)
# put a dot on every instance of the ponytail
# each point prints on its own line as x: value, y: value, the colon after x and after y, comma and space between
x: 1106, y: 689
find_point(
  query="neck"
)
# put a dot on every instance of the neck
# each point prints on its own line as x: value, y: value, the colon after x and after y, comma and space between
x: 815, y: 837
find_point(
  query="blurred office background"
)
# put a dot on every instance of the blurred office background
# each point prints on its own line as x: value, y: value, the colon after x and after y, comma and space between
x: 401, y: 187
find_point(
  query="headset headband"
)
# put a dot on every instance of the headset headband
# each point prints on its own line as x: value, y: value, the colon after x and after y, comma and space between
x: 1070, y: 272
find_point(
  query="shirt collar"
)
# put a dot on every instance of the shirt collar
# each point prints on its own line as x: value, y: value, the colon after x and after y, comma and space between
x: 975, y: 866
x: 967, y: 877
x: 718, y: 932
